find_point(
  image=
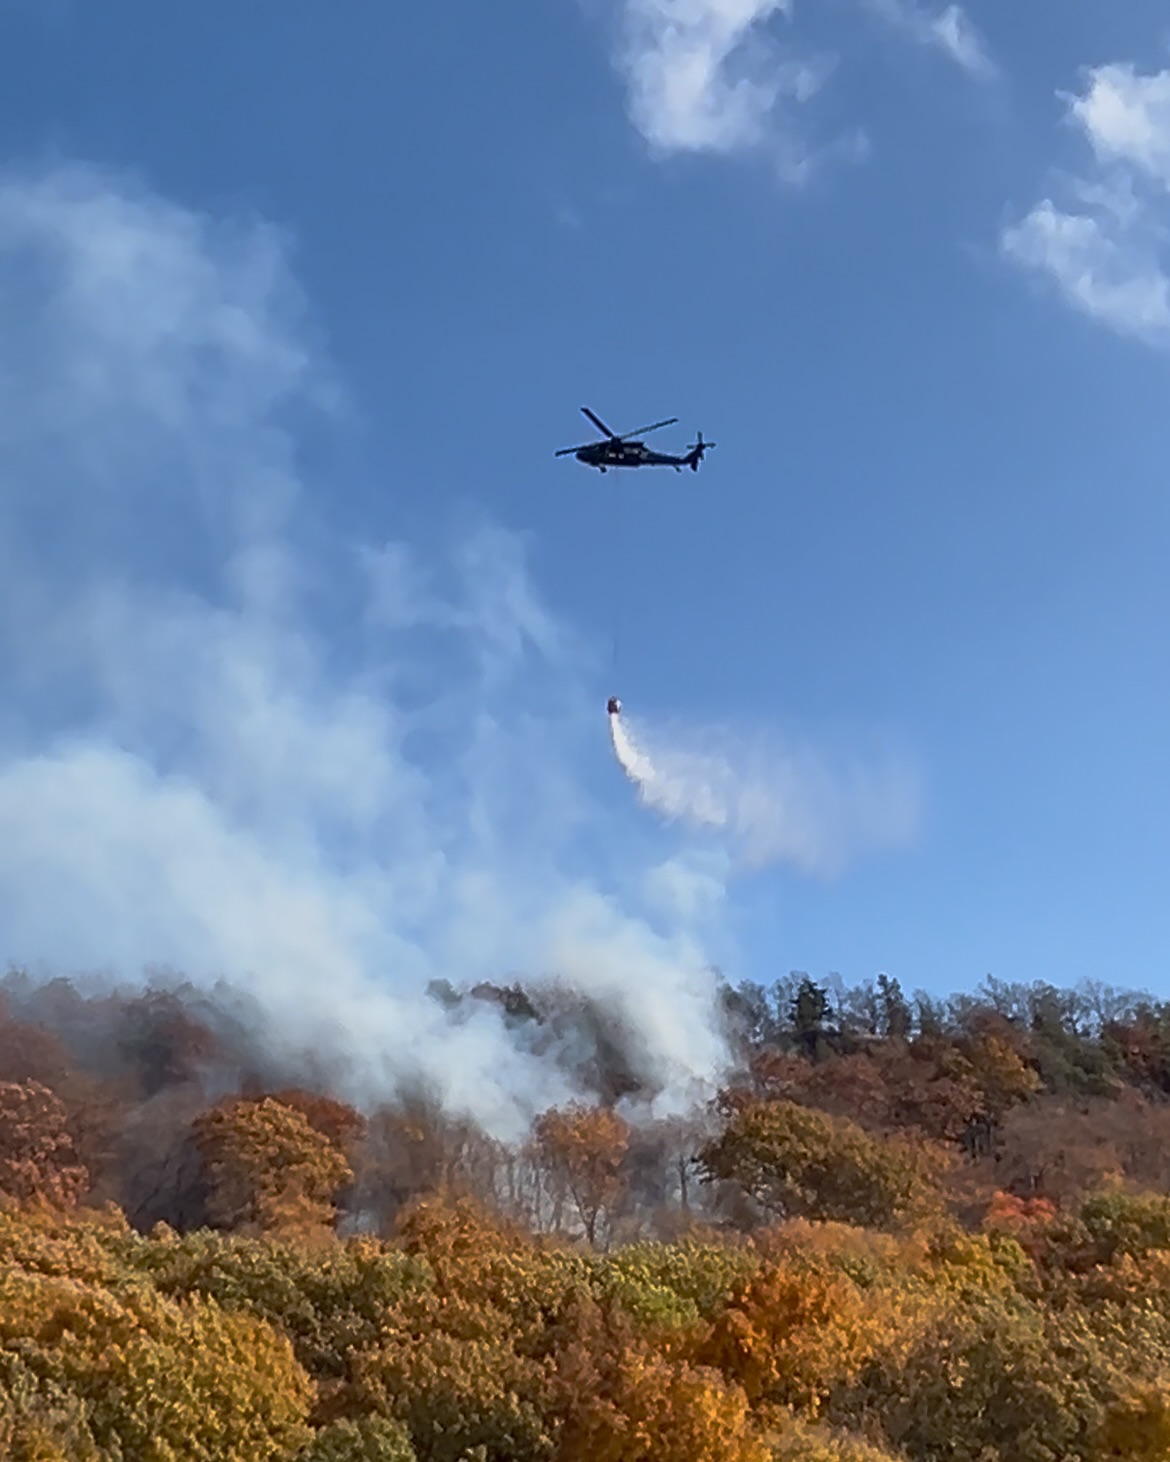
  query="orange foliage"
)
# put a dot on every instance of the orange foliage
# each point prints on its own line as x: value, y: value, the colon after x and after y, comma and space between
x: 583, y: 1147
x: 1014, y: 1215
x: 37, y: 1158
x: 674, y: 1412
x: 342, y: 1124
x: 1137, y: 1426
x: 614, y: 1401
x: 268, y: 1169
x: 787, y: 1333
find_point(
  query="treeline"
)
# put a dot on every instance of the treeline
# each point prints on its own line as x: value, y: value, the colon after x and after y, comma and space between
x: 902, y: 1228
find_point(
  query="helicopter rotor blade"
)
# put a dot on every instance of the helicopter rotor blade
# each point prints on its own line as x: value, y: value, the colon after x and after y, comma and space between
x: 599, y: 424
x: 644, y: 430
x: 566, y: 451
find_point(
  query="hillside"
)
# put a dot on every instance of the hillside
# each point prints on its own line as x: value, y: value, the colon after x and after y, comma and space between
x: 902, y: 1229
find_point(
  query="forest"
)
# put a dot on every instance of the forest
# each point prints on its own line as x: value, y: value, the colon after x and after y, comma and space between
x: 903, y: 1228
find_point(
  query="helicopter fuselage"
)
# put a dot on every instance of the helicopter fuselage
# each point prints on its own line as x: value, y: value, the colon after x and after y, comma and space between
x: 625, y: 454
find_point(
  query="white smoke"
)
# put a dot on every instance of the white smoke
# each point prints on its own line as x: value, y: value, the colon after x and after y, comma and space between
x: 769, y: 802
x: 234, y: 744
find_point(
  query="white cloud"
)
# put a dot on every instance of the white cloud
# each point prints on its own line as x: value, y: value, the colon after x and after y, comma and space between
x: 1126, y: 117
x: 1097, y: 268
x: 718, y: 77
x: 707, y: 76
x: 224, y: 747
x: 1105, y: 251
x: 950, y: 31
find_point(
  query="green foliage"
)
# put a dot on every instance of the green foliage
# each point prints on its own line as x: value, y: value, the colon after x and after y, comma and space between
x: 41, y: 1420
x: 329, y: 1302
x: 796, y: 1162
x: 676, y: 1285
x: 371, y: 1439
x: 1004, y: 1378
x: 1126, y: 1223
x: 456, y: 1393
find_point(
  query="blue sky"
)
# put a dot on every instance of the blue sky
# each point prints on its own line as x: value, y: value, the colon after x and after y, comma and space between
x: 905, y: 264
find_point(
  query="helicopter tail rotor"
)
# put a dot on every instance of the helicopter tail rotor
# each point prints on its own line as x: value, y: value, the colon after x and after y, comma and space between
x: 696, y: 449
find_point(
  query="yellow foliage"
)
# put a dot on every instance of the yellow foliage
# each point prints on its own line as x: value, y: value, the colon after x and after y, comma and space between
x: 476, y: 1256
x: 799, y: 1442
x: 1137, y: 1426
x: 328, y: 1302
x: 159, y: 1381
x: 79, y: 1243
x: 665, y: 1410
x: 1000, y: 1072
x: 801, y: 1327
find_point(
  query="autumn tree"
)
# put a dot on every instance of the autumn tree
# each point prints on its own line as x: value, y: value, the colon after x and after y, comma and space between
x: 795, y: 1162
x: 37, y: 1158
x: 453, y: 1376
x: 368, y: 1439
x: 343, y: 1125
x: 268, y: 1168
x: 415, y: 1149
x: 612, y: 1399
x: 582, y: 1148
x: 30, y: 1053
x: 153, y: 1379
x: 161, y: 1041
x: 329, y: 1302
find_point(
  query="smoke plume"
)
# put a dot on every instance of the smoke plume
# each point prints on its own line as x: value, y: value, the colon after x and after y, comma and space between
x: 240, y: 745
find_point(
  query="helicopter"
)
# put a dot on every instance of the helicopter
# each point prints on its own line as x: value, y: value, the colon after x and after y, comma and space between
x: 626, y: 451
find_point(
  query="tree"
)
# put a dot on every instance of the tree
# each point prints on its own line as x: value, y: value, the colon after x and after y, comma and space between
x: 369, y: 1439
x: 456, y: 1392
x: 415, y: 1150
x: 808, y: 1013
x: 268, y: 1169
x: 30, y: 1053
x: 675, y: 1412
x: 343, y: 1125
x: 799, y: 1442
x: 162, y: 1041
x: 329, y: 1302
x: 37, y: 1159
x: 583, y: 1148
x: 1001, y: 1073
x: 155, y: 1379
x: 799, y: 1163
x: 612, y: 1399
x: 894, y: 1015
x: 789, y: 1334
